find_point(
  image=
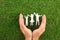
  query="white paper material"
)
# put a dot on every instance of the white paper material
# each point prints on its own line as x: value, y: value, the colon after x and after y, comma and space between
x: 37, y: 18
x: 26, y: 22
x: 32, y: 19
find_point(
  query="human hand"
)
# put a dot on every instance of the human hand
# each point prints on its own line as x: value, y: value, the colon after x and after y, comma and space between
x: 27, y: 32
x: 29, y: 35
x: 38, y: 32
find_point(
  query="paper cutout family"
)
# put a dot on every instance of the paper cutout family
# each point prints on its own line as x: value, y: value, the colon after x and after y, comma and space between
x: 32, y: 19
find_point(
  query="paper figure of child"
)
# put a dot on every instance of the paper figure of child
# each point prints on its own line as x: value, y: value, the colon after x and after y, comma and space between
x: 32, y: 19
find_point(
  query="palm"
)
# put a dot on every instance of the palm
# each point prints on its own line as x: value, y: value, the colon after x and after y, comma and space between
x: 38, y: 32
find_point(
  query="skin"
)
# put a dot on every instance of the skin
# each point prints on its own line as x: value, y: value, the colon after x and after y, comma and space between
x: 29, y: 35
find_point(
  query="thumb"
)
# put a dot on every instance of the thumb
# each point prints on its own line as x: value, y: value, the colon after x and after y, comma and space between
x: 21, y: 20
x: 43, y: 23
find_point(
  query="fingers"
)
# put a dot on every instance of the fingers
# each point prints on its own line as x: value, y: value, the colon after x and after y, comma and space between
x: 21, y: 22
x: 43, y: 23
x: 27, y: 32
x: 41, y: 28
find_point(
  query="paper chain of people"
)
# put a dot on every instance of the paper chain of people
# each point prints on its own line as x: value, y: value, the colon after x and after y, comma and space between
x: 32, y: 19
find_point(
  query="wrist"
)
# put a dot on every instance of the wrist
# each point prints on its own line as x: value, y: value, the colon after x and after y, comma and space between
x: 28, y: 38
x: 36, y: 38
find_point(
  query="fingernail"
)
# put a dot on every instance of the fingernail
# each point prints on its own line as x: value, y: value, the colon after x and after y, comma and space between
x: 44, y: 15
x: 21, y: 15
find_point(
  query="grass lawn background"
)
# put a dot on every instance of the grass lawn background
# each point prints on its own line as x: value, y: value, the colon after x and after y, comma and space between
x: 9, y: 15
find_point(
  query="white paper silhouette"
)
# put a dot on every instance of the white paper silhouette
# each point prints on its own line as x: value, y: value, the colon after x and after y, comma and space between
x: 26, y: 22
x: 32, y: 19
x: 37, y: 18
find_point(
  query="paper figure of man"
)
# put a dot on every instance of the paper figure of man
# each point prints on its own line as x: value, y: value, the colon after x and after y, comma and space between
x: 37, y: 18
x: 26, y: 22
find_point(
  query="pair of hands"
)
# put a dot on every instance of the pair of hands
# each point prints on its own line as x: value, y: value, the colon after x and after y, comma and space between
x: 29, y: 35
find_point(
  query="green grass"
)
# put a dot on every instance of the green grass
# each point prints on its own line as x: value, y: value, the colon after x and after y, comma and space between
x: 9, y: 15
